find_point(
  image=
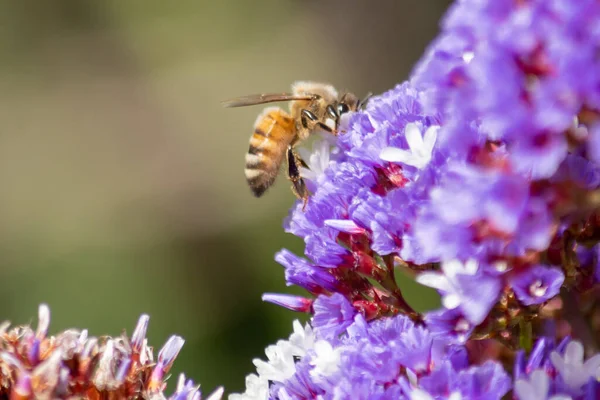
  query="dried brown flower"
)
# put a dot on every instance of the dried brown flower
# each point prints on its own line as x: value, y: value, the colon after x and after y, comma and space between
x: 73, y: 365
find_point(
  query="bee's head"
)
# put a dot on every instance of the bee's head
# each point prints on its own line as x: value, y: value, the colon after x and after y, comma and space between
x: 348, y: 102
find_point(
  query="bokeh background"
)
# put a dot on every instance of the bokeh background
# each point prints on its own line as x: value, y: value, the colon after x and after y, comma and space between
x: 122, y: 177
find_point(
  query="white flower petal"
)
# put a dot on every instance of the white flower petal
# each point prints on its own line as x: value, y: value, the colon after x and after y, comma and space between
x: 317, y: 160
x: 571, y: 367
x: 415, y: 161
x: 394, y: 154
x: 471, y: 267
x: 419, y: 394
x: 327, y: 360
x: 523, y: 389
x: 420, y: 147
x: 281, y: 364
x: 413, y: 137
x: 324, y: 151
x: 536, y: 388
x: 557, y: 361
x: 308, y: 174
x: 451, y: 301
x: 434, y: 280
x: 468, y: 56
x: 541, y: 383
x: 217, y: 394
x: 574, y: 353
x: 455, y: 267
x: 593, y: 366
x: 430, y: 138
x: 256, y: 389
x: 452, y: 268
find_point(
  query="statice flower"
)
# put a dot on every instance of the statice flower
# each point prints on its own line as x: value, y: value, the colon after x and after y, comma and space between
x: 399, y: 194
x: 280, y: 365
x: 486, y: 157
x: 73, y: 364
x: 332, y: 315
x: 420, y: 145
x: 557, y: 372
x: 571, y: 368
x: 384, y: 359
x: 531, y: 69
x: 465, y: 287
x: 479, y: 177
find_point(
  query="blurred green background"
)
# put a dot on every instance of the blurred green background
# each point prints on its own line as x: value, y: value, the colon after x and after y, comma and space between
x: 122, y: 177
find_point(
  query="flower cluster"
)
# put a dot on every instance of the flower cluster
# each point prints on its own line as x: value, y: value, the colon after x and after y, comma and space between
x: 557, y: 372
x: 523, y: 71
x: 73, y: 364
x: 281, y: 364
x: 382, y: 359
x: 498, y: 217
x: 488, y: 238
x: 392, y: 358
x: 480, y: 177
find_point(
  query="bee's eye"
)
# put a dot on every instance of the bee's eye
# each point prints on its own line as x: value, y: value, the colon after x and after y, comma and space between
x: 331, y: 111
x: 342, y: 108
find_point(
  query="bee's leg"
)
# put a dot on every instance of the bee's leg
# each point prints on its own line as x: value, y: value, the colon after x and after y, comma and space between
x: 298, y: 186
x: 310, y: 121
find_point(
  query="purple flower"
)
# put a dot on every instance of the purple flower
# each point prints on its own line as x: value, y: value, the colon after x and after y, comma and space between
x: 594, y: 143
x: 416, y: 347
x: 573, y: 371
x: 537, y: 284
x: 488, y: 381
x: 488, y: 74
x: 332, y: 315
x: 420, y: 146
x: 536, y: 387
x: 381, y: 347
x: 579, y: 171
x: 187, y: 390
x: 300, y: 385
x: 385, y: 217
x: 368, y: 362
x: 537, y: 358
x: 590, y: 259
x: 449, y: 322
x: 294, y: 303
x: 475, y: 213
x: 464, y: 287
x: 300, y: 272
x: 557, y: 372
x: 475, y: 176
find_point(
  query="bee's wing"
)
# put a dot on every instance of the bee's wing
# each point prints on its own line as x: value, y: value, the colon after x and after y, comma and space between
x: 264, y: 98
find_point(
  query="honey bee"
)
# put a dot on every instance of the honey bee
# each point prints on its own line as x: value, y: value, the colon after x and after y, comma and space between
x: 313, y: 106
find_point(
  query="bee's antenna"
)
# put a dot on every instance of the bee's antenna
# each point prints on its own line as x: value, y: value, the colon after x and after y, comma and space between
x: 363, y: 102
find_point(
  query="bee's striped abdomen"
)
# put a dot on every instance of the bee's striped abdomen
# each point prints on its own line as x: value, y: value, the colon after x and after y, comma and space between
x: 274, y: 130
